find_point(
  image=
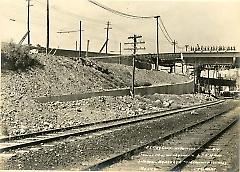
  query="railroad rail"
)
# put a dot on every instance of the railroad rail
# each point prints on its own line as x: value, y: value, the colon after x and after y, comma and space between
x: 20, y: 141
x: 192, y: 155
x: 214, y: 125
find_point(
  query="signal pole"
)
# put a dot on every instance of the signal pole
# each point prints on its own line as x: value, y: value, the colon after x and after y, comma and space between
x: 47, y: 47
x: 28, y: 22
x: 157, y: 17
x: 108, y: 24
x: 134, y: 37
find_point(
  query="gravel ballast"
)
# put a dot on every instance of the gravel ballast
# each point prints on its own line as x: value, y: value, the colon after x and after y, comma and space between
x: 75, y: 154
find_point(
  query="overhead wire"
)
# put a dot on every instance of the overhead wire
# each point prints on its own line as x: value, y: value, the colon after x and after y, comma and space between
x: 167, y: 36
x: 164, y: 34
x: 119, y: 12
x: 165, y: 29
x: 71, y: 14
x: 115, y: 12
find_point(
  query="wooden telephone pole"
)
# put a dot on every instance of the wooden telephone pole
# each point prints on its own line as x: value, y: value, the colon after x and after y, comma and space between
x: 186, y: 47
x: 134, y: 37
x: 86, y: 55
x: 28, y: 22
x: 157, y: 17
x: 80, y: 38
x: 108, y: 24
x: 174, y: 51
x: 47, y: 46
x: 174, y: 46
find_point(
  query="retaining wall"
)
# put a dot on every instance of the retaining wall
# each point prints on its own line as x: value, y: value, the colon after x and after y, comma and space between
x: 181, y: 88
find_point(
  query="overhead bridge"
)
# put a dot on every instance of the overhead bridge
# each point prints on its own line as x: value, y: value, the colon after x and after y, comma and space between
x: 165, y: 59
x: 193, y: 58
x: 169, y: 59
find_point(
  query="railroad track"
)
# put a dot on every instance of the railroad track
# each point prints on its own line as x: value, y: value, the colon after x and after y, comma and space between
x: 20, y: 141
x: 165, y: 153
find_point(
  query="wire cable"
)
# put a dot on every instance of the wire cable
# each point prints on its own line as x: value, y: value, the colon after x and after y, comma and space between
x: 71, y: 14
x: 120, y: 13
x: 165, y: 29
x: 165, y: 34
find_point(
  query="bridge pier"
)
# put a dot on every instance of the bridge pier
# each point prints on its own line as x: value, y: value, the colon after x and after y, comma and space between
x: 213, y: 82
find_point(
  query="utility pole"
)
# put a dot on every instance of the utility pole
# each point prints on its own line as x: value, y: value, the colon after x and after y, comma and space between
x: 157, y: 17
x: 174, y: 51
x: 208, y: 70
x: 134, y: 37
x: 186, y: 46
x: 28, y: 22
x: 194, y: 75
x: 47, y: 47
x: 174, y: 46
x: 76, y: 45
x: 80, y: 38
x: 108, y: 24
x: 87, y: 48
x: 120, y: 48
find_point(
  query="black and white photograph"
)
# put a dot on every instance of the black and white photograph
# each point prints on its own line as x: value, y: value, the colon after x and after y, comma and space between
x: 120, y: 85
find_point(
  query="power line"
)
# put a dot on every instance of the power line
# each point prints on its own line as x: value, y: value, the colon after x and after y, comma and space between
x: 165, y: 34
x: 75, y: 15
x: 71, y: 14
x: 120, y: 13
x: 168, y: 37
x: 165, y: 29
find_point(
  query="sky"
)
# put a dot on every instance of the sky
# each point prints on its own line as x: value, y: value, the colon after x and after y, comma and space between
x: 189, y: 22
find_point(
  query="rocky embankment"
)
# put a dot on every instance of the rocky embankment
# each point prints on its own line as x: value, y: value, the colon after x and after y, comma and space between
x: 20, y: 113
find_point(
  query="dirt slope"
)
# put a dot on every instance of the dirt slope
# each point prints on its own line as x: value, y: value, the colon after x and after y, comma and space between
x: 61, y: 75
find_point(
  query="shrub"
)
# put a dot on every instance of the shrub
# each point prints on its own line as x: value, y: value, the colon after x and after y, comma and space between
x: 17, y: 57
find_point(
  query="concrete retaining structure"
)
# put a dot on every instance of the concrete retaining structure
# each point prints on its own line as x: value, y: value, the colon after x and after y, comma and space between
x: 181, y: 88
